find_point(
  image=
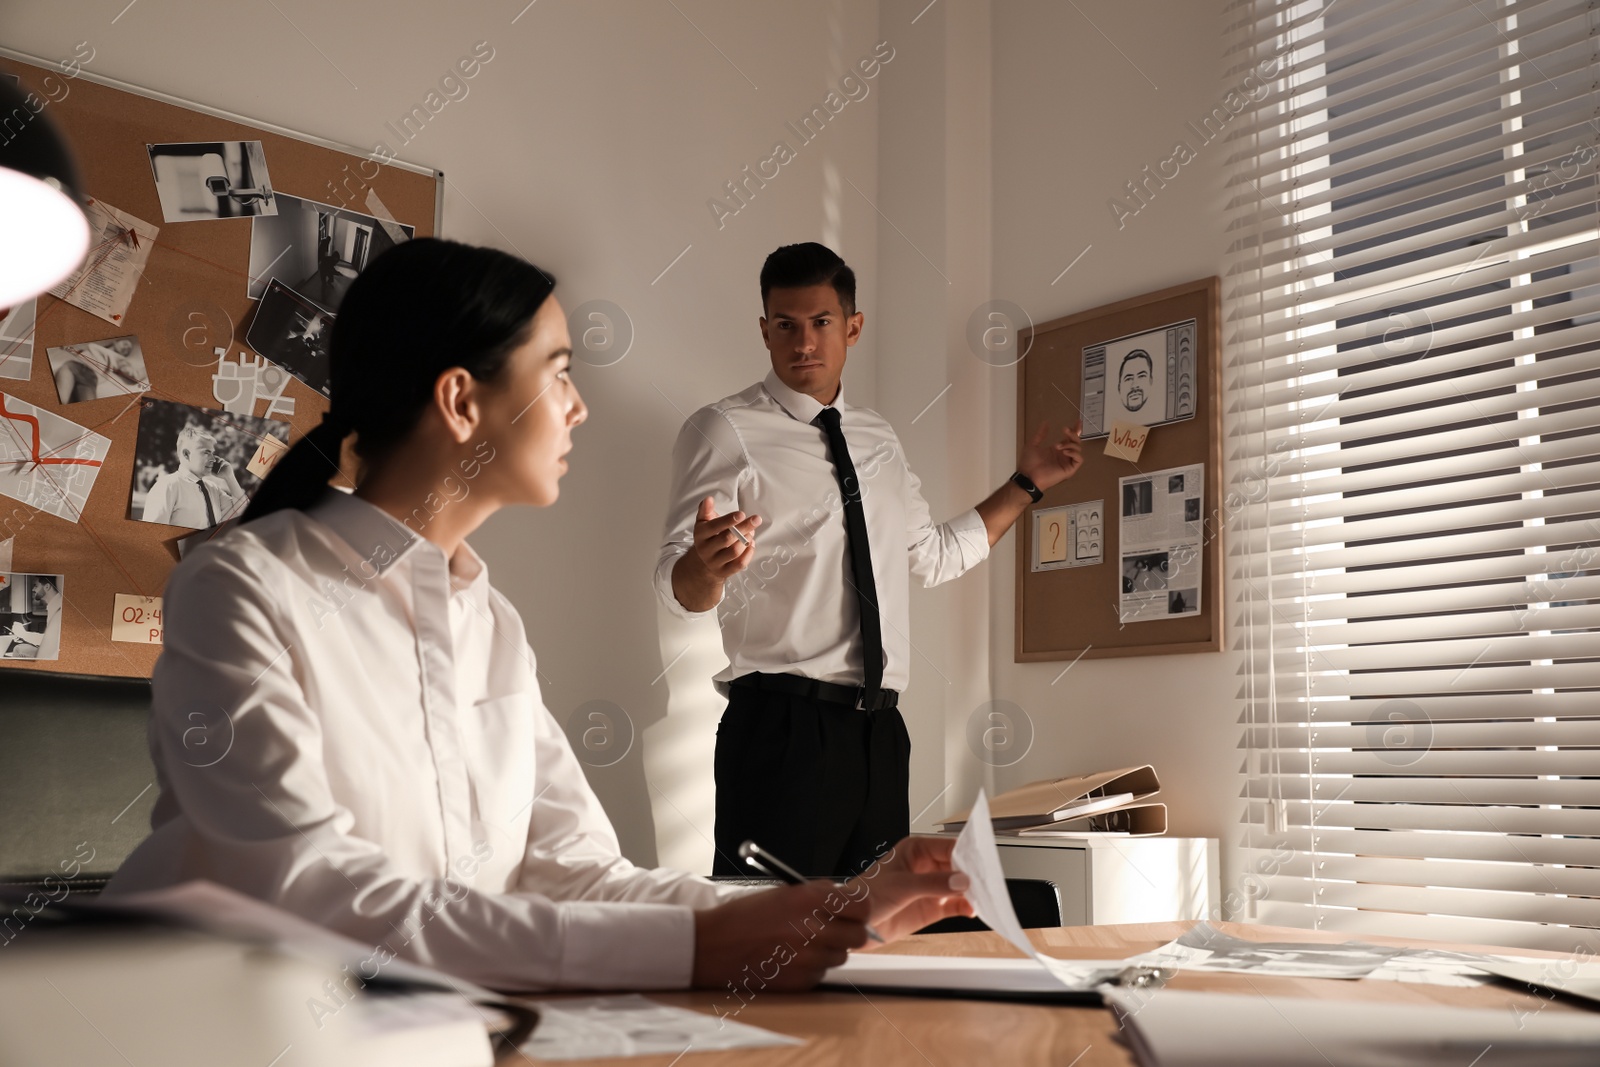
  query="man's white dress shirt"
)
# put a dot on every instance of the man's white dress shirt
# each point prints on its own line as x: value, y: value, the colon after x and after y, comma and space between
x: 175, y: 499
x: 348, y: 725
x: 794, y: 609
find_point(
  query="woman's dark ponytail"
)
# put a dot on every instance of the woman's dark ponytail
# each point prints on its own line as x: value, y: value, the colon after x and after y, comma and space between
x: 417, y: 310
x: 301, y: 474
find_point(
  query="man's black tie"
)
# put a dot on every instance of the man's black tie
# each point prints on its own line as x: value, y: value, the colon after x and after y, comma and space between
x: 211, y: 515
x: 855, y: 524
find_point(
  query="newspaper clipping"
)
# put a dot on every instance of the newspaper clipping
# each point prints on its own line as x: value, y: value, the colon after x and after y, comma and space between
x: 1159, y: 544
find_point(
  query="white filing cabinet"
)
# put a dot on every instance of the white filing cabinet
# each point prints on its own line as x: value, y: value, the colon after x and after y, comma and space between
x: 1120, y: 879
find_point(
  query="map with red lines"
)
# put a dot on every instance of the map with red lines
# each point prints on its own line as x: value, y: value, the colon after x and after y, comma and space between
x: 46, y: 461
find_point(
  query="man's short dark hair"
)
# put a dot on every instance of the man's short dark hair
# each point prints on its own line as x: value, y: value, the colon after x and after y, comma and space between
x: 1137, y: 353
x: 803, y: 265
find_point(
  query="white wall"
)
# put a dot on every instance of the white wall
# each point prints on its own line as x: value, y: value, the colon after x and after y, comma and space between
x: 1079, y: 110
x: 978, y: 167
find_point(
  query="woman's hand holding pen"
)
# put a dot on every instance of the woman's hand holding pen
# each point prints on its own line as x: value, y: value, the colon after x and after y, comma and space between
x: 787, y: 937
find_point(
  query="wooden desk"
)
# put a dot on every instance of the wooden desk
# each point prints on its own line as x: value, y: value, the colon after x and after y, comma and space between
x: 884, y: 1031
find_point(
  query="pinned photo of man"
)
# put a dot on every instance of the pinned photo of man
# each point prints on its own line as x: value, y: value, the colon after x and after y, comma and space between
x: 30, y: 616
x: 1139, y: 397
x: 190, y: 463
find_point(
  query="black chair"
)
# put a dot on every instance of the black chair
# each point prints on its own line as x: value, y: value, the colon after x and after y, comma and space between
x: 1036, y: 902
x: 76, y: 782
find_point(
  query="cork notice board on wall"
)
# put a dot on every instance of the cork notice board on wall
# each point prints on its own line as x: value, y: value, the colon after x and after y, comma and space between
x: 1124, y: 558
x: 111, y: 438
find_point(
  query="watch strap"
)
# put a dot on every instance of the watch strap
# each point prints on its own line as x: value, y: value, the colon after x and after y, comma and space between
x: 1023, y: 482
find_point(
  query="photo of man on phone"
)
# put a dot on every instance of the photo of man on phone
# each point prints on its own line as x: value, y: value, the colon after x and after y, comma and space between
x: 191, y: 465
x: 202, y: 492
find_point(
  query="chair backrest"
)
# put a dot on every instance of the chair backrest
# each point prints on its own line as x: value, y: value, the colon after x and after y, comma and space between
x: 76, y: 782
x: 1036, y: 902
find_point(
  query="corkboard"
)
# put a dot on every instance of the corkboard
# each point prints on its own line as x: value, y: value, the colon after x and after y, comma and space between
x: 191, y: 299
x: 1072, y: 613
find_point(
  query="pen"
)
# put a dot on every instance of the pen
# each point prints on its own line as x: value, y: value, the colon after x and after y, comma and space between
x: 762, y: 860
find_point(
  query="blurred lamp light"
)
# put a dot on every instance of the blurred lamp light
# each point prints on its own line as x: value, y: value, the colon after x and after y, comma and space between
x: 43, y: 232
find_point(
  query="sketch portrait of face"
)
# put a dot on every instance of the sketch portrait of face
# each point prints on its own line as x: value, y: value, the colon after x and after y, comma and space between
x: 1134, y: 379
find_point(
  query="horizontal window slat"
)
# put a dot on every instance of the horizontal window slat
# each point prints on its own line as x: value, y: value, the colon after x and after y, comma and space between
x: 1474, y: 903
x: 1302, y: 483
x: 1434, y: 761
x: 1495, y: 570
x: 1403, y: 735
x: 1483, y: 628
x: 1399, y: 790
x: 1455, y: 929
x: 1327, y: 210
x: 1492, y: 847
x: 1437, y: 706
x: 1496, y: 877
x: 1456, y: 818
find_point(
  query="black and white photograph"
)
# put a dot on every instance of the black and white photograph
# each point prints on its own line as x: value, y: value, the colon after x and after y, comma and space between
x: 1138, y: 498
x: 1191, y: 509
x: 1145, y: 573
x: 16, y: 341
x: 30, y: 616
x: 1181, y: 601
x: 292, y: 332
x: 201, y: 180
x: 94, y: 370
x: 189, y: 466
x: 317, y: 248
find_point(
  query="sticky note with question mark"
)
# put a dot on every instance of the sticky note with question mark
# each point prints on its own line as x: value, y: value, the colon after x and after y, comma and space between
x: 1053, y: 538
x: 1068, y: 536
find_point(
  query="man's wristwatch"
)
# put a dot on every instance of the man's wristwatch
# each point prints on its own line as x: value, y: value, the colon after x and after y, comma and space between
x: 1025, y: 483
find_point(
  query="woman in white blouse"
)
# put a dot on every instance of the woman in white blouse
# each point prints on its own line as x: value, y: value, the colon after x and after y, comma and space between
x: 347, y: 720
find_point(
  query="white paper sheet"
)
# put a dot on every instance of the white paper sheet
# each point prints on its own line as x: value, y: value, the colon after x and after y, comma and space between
x: 976, y: 855
x: 46, y: 461
x: 1180, y: 1028
x: 631, y: 1025
x: 119, y: 248
x: 1205, y: 948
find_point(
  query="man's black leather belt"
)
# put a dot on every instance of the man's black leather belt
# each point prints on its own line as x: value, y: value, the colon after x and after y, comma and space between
x: 794, y: 685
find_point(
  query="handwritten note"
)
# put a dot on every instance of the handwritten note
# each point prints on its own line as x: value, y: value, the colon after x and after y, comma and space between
x: 1126, y: 441
x: 119, y: 248
x: 137, y: 619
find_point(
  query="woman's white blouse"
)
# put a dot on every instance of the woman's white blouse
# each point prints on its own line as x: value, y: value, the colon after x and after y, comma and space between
x: 348, y: 725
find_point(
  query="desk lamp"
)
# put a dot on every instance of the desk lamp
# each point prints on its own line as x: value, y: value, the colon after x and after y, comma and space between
x: 43, y: 231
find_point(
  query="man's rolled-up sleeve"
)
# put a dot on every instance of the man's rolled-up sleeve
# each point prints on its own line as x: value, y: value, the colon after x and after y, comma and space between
x: 946, y: 550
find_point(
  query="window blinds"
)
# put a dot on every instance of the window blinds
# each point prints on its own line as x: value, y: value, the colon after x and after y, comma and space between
x: 1413, y: 504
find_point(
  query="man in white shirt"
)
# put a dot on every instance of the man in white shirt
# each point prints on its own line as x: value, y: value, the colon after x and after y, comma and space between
x: 812, y: 754
x: 202, y: 492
